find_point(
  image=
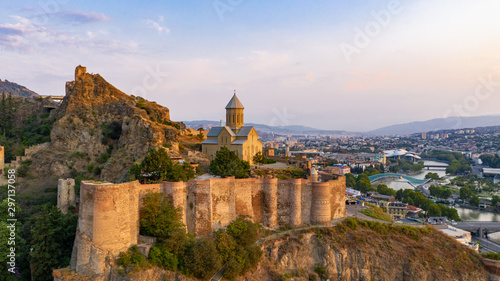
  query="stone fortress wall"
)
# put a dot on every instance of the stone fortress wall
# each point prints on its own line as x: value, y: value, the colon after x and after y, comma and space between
x: 109, y: 213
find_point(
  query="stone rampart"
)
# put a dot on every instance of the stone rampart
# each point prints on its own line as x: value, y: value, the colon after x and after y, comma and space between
x: 65, y: 194
x: 109, y: 213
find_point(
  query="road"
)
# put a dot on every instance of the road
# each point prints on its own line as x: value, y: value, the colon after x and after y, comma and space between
x: 487, y: 244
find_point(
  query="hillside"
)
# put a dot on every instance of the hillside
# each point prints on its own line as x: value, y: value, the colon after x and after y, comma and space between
x: 99, y: 132
x: 358, y: 250
x: 16, y: 90
x: 438, y: 124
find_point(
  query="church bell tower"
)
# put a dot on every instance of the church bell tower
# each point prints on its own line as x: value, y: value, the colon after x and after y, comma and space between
x: 234, y: 113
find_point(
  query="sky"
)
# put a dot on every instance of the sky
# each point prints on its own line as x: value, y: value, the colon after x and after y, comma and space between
x: 340, y: 65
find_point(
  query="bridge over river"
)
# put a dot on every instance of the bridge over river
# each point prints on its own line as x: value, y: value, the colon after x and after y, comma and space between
x: 411, y: 180
x: 474, y: 226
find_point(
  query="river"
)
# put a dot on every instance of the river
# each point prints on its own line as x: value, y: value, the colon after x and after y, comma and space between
x: 475, y: 215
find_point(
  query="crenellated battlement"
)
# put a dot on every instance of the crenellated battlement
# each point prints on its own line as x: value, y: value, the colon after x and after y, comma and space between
x: 109, y: 213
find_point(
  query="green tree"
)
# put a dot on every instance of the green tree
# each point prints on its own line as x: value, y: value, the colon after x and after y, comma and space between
x: 474, y: 201
x: 52, y: 237
x: 495, y: 199
x: 450, y: 213
x: 465, y: 193
x: 244, y: 231
x: 259, y: 158
x: 383, y: 189
x: 202, y: 258
x: 431, y: 175
x: 162, y: 257
x: 158, y: 217
x: 9, y: 122
x: 363, y: 183
x: 3, y: 114
x: 350, y: 180
x: 158, y: 167
x: 434, y: 211
x: 227, y: 164
x: 394, y: 168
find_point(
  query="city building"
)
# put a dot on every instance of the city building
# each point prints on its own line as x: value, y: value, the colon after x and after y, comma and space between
x: 413, y: 211
x: 424, y: 135
x: 459, y: 235
x: 352, y: 192
x: 241, y: 139
x: 339, y: 169
x: 268, y: 151
x: 397, y: 210
x: 382, y: 200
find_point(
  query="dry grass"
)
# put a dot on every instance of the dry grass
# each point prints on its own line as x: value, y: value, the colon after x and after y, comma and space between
x: 376, y: 212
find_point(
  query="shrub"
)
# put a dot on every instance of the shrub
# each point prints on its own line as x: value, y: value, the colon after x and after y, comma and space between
x: 321, y: 271
x: 202, y: 258
x: 244, y: 231
x: 111, y: 130
x: 104, y: 158
x: 233, y: 269
x: 227, y: 163
x: 158, y: 217
x: 163, y: 258
x: 226, y: 245
x: 132, y: 257
x: 158, y: 167
x: 491, y: 255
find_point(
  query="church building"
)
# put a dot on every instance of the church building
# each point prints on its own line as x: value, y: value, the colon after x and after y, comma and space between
x: 241, y: 139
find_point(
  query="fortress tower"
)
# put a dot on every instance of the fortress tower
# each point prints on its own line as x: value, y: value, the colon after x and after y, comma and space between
x: 234, y: 113
x: 65, y: 194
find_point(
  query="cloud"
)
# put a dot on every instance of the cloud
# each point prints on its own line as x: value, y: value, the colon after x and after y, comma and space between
x: 79, y: 17
x: 26, y: 37
x: 157, y: 25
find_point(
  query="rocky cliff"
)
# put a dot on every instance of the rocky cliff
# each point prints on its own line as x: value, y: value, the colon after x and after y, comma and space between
x: 367, y: 252
x: 101, y: 131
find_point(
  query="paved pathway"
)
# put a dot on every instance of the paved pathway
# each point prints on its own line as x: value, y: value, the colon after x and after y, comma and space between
x: 487, y: 244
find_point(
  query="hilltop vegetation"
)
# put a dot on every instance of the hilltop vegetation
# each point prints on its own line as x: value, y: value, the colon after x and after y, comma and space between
x: 23, y: 123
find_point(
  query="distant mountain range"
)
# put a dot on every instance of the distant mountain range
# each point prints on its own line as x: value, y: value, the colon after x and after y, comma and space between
x: 16, y: 89
x: 284, y: 130
x: 438, y: 124
x: 399, y: 129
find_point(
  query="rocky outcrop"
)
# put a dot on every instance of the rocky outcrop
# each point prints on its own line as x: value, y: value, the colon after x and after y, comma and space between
x: 103, y: 130
x: 365, y: 254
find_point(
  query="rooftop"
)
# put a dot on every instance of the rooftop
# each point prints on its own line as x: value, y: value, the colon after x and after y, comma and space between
x: 234, y: 103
